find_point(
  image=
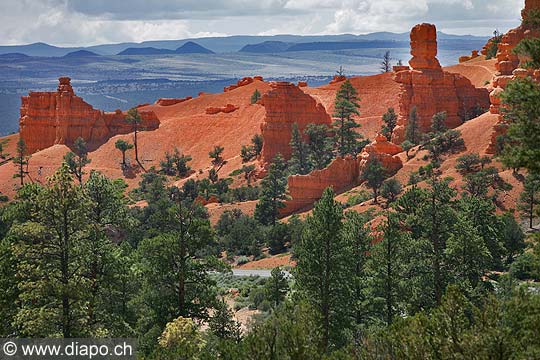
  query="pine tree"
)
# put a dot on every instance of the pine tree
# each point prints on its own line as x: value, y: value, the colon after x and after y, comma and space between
x: 412, y: 132
x: 390, y: 122
x: 134, y: 119
x: 438, y: 123
x: 346, y: 106
x: 255, y: 97
x: 323, y: 270
x: 386, y: 65
x: 21, y: 161
x: 390, y: 190
x: 222, y: 324
x: 319, y: 146
x: 529, y: 199
x: 123, y: 146
x: 257, y: 143
x: 299, y: 161
x: 374, y: 175
x: 77, y: 160
x: 215, y: 155
x: 273, y: 193
x: 277, y: 286
x: 386, y: 270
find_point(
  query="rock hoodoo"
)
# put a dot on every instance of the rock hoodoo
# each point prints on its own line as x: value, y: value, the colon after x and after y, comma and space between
x: 430, y: 89
x: 60, y: 117
x: 286, y: 105
x: 384, y: 151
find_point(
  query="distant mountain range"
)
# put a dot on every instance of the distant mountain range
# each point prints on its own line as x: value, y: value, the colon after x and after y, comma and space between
x: 254, y: 44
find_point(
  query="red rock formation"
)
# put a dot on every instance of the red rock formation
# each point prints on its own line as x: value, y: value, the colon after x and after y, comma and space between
x: 60, y: 117
x: 430, y: 89
x: 304, y: 190
x: 384, y: 151
x: 473, y: 55
x: 286, y: 105
x: 302, y: 84
x: 242, y: 82
x: 169, y: 102
x: 508, y: 66
x: 338, y: 78
x: 229, y: 108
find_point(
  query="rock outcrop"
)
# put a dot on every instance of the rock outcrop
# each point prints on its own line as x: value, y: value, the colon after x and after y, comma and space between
x: 285, y: 105
x: 229, y: 108
x: 507, y: 66
x: 242, y: 82
x: 60, y: 117
x: 169, y: 101
x: 430, y: 89
x: 385, y: 152
x: 304, y: 190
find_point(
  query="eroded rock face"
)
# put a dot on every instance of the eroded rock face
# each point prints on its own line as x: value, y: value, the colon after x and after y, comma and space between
x: 384, y: 151
x: 171, y: 101
x: 60, y: 117
x: 430, y: 89
x: 305, y: 190
x: 229, y: 108
x: 286, y: 105
x: 508, y: 69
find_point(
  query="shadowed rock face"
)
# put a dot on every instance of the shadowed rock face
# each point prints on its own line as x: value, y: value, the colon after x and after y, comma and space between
x: 430, y: 89
x: 49, y: 118
x: 286, y: 105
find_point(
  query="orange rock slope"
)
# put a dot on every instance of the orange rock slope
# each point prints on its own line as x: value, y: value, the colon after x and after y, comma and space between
x: 60, y: 117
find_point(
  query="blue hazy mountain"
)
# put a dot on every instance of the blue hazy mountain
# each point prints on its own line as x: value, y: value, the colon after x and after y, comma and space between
x: 193, y: 48
x: 145, y: 51
x: 220, y: 44
x: 266, y: 47
x: 80, y: 54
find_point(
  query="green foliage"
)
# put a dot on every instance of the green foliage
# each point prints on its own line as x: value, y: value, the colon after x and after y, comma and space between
x: 391, y: 189
x: 239, y: 234
x: 277, y: 287
x: 175, y: 164
x: 21, y: 160
x: 319, y: 145
x: 273, y: 188
x: 521, y: 100
x: 323, y: 270
x: 134, y: 119
x: 215, y: 155
x: 390, y: 121
x: 471, y: 163
x: 374, y: 175
x: 438, y: 123
x: 386, y: 62
x: 407, y: 146
x: 256, y: 96
x: 494, y: 45
x: 412, y: 131
x: 300, y: 159
x: 532, y: 19
x: 123, y: 146
x: 529, y: 47
x: 222, y: 324
x: 346, y: 106
x: 250, y: 152
x: 529, y: 199
x: 448, y: 142
x: 181, y: 340
x: 76, y: 161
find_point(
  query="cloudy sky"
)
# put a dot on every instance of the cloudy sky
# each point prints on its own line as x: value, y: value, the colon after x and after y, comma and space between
x: 90, y: 22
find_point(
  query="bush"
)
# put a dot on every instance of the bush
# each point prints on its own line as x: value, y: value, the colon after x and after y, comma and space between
x: 242, y: 260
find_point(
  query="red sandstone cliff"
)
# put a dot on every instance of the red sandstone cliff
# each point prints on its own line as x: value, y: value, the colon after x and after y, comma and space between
x: 60, y: 117
x: 286, y: 105
x: 430, y: 89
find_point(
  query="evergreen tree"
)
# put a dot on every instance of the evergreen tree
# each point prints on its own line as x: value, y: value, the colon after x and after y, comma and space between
x: 299, y: 162
x: 319, y: 146
x: 346, y: 106
x: 3, y: 155
x: 386, y: 270
x: 134, y: 119
x: 257, y: 143
x: 277, y: 286
x: 256, y: 96
x: 391, y: 189
x: 215, y: 155
x: 323, y: 269
x: 386, y: 63
x: 51, y: 250
x: 374, y: 175
x: 222, y: 324
x: 438, y: 123
x: 407, y: 146
x: 412, y: 132
x: 530, y: 47
x: 77, y: 160
x: 123, y: 146
x: 273, y: 193
x: 521, y: 99
x: 390, y: 122
x: 21, y: 161
x: 530, y: 198
x: 513, y: 236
